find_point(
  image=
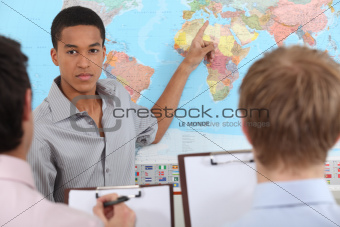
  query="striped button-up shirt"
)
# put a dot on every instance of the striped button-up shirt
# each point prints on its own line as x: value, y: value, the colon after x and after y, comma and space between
x: 67, y: 150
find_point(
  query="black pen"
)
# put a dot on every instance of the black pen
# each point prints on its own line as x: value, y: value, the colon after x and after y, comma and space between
x: 119, y: 200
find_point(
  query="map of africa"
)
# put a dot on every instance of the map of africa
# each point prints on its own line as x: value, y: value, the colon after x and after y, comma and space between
x: 148, y: 39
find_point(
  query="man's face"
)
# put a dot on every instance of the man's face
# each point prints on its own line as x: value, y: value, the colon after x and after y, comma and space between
x: 80, y: 56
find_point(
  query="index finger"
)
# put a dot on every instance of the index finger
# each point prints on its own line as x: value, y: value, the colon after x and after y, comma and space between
x: 200, y: 32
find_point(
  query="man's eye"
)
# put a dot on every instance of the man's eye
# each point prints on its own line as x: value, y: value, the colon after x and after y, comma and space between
x: 72, y: 52
x: 94, y: 51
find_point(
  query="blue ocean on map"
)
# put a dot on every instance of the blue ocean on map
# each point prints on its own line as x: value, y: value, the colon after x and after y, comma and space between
x: 147, y: 33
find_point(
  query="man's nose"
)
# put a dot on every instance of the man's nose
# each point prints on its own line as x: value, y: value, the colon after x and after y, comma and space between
x: 83, y: 62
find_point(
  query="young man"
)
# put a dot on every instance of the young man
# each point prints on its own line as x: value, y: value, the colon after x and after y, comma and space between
x: 20, y: 203
x: 300, y: 88
x: 83, y: 144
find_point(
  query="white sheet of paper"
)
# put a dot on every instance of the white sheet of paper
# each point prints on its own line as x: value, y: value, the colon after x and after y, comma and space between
x: 220, y: 193
x: 152, y: 208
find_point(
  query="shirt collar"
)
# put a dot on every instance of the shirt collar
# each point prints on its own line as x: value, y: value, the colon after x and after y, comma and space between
x: 106, y: 86
x: 61, y: 106
x: 16, y: 169
x: 289, y: 193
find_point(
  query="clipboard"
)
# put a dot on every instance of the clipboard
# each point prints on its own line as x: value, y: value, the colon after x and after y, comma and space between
x: 153, y: 204
x: 217, y: 188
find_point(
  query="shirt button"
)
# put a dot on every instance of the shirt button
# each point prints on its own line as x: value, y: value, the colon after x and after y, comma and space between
x: 107, y: 170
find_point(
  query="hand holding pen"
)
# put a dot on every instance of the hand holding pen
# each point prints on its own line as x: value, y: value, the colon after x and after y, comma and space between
x: 116, y: 213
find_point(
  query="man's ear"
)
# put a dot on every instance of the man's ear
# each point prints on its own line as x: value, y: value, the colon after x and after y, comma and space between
x: 245, y: 130
x: 104, y: 52
x: 54, y: 56
x: 27, y: 106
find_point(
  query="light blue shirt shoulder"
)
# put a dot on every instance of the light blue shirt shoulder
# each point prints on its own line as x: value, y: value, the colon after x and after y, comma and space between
x: 294, y: 203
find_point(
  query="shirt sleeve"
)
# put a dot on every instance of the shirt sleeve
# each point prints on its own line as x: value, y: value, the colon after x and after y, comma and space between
x: 145, y: 125
x: 44, y: 171
x: 144, y: 121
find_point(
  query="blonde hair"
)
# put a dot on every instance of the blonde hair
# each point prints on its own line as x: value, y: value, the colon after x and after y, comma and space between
x: 300, y: 88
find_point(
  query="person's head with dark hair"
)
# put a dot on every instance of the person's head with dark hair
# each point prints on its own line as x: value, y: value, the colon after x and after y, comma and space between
x: 78, y: 36
x: 16, y: 124
x: 73, y: 16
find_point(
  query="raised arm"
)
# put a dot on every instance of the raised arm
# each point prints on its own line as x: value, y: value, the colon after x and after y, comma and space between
x: 173, y: 91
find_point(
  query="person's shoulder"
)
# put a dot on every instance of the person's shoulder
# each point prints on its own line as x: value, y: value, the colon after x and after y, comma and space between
x: 42, y: 111
x: 41, y: 212
x: 42, y: 118
x: 298, y: 216
x: 332, y: 212
x: 114, y: 87
x: 111, y: 84
x: 108, y: 82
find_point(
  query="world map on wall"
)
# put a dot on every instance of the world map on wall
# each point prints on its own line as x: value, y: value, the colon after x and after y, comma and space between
x: 148, y: 39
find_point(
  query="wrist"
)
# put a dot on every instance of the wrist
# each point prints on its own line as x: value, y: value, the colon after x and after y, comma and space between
x: 186, y: 66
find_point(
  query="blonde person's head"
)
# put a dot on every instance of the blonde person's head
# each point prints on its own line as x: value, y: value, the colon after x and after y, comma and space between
x: 300, y: 88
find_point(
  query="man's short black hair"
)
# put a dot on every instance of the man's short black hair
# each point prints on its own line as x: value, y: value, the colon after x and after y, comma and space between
x: 73, y: 16
x: 14, y: 82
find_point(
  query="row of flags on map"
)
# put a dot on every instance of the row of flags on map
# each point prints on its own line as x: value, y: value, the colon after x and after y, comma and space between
x: 332, y: 172
x: 336, y: 169
x: 157, y: 174
x: 160, y: 173
x: 151, y: 167
x: 169, y: 173
x: 336, y: 163
x: 332, y: 175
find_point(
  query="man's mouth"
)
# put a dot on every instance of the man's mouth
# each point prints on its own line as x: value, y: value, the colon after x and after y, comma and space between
x: 84, y: 76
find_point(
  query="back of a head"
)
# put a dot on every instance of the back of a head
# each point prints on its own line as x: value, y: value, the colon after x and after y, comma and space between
x: 14, y: 83
x: 300, y: 88
x: 73, y: 16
